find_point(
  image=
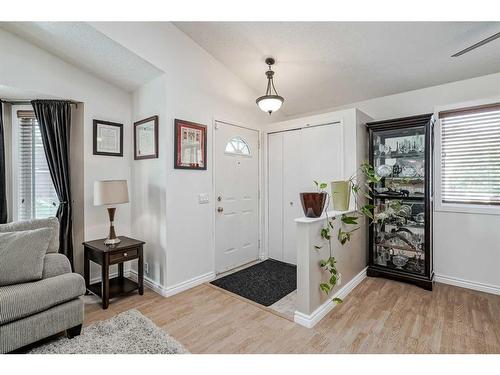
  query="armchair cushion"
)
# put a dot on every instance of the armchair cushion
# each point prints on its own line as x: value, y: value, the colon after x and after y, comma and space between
x: 21, y: 300
x: 50, y: 222
x: 55, y: 265
x: 21, y: 255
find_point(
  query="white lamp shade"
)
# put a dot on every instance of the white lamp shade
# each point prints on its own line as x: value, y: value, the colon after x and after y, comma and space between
x: 110, y: 192
x: 270, y: 103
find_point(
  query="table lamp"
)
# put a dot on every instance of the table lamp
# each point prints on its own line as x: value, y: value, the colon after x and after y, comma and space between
x: 108, y: 193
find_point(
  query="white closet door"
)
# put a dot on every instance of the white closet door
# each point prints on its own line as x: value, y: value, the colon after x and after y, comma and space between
x: 293, y: 181
x: 295, y: 159
x: 275, y: 195
x: 322, y: 154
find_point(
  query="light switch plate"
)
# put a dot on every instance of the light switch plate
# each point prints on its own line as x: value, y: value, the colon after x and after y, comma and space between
x: 203, y: 198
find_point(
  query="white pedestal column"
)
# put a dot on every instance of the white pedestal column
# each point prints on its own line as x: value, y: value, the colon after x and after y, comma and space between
x: 312, y: 303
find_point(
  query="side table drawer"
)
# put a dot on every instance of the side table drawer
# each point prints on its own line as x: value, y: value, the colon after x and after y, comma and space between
x: 122, y: 256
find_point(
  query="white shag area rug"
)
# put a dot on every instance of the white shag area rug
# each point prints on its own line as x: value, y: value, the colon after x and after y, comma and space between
x: 127, y: 333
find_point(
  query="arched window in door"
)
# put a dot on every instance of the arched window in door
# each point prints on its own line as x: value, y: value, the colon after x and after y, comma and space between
x: 237, y: 146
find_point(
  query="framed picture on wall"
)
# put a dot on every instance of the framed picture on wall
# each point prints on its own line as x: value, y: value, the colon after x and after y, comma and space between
x: 108, y: 138
x: 146, y: 138
x: 190, y: 145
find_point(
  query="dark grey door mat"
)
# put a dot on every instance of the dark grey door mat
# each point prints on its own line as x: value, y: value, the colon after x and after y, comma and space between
x: 264, y: 283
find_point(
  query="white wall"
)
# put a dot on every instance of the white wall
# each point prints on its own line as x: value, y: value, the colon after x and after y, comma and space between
x: 466, y: 245
x: 148, y: 182
x: 198, y: 88
x: 26, y: 67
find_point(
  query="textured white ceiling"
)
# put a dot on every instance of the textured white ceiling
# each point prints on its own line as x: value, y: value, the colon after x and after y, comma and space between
x: 86, y: 48
x: 326, y: 64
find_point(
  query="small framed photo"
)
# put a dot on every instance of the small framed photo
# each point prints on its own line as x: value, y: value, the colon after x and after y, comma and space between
x: 190, y: 145
x: 108, y: 138
x: 146, y: 138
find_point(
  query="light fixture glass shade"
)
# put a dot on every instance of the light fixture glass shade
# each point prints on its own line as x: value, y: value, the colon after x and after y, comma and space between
x: 110, y: 192
x: 270, y: 103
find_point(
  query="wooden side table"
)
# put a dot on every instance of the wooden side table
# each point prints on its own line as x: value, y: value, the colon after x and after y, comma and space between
x: 106, y: 256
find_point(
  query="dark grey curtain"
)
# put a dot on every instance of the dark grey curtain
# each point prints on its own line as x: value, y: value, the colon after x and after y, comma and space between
x: 54, y: 119
x: 3, y: 192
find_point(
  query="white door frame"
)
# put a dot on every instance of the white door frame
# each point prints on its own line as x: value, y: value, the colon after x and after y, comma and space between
x: 214, y: 192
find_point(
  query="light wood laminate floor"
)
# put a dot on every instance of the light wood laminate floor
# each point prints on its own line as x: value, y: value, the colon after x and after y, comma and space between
x: 379, y: 316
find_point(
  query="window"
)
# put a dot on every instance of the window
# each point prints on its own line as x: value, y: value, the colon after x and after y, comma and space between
x: 36, y: 197
x: 470, y: 156
x: 237, y: 146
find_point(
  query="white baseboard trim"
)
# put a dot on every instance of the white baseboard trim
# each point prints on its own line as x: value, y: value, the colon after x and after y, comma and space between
x: 188, y: 284
x: 161, y: 290
x: 487, y: 288
x: 310, y: 321
x: 153, y: 285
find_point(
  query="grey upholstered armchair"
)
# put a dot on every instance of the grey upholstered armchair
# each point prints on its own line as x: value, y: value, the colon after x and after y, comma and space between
x: 31, y: 311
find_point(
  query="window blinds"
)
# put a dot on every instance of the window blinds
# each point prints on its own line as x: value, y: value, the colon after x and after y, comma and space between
x: 470, y: 155
x: 36, y: 195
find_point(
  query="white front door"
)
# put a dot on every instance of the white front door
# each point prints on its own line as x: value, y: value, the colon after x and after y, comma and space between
x: 236, y: 196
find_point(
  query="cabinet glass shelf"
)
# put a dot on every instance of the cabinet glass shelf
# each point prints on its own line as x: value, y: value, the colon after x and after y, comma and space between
x: 410, y: 155
x: 400, y: 197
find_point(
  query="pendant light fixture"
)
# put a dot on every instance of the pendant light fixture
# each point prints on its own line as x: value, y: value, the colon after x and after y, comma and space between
x: 270, y: 102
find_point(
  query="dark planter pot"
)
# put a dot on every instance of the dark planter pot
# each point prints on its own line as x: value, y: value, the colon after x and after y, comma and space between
x: 313, y: 203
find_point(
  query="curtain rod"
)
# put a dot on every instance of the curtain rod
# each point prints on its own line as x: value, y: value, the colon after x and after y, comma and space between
x: 28, y: 101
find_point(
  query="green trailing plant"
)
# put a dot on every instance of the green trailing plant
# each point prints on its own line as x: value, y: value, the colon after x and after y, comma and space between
x: 361, y: 186
x: 329, y: 264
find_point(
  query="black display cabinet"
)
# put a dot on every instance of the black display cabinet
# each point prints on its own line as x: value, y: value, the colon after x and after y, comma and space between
x: 400, y: 236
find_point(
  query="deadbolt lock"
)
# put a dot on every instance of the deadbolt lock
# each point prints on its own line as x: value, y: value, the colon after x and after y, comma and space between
x: 220, y: 209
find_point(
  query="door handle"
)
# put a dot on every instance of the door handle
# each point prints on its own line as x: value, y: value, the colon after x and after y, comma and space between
x: 220, y: 209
